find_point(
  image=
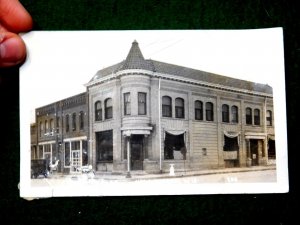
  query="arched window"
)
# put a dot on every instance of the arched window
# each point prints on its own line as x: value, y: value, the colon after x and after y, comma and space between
x: 269, y: 118
x: 234, y: 114
x: 256, y: 117
x: 127, y: 105
x: 225, y: 113
x: 73, y: 121
x: 81, y: 120
x: 98, y: 111
x: 51, y: 125
x: 198, y: 110
x: 248, y: 115
x: 179, y: 108
x: 166, y: 106
x: 209, y: 111
x: 41, y: 128
x: 108, y: 108
x: 46, y: 126
x: 67, y: 123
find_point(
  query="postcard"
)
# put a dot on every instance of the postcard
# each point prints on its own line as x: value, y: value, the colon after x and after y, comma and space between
x: 153, y: 112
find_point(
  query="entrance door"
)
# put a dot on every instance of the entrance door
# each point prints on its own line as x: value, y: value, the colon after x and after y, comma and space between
x: 254, y: 152
x: 137, y: 156
x: 75, y: 160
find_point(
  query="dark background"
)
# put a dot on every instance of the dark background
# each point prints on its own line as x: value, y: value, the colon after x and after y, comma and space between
x: 159, y: 14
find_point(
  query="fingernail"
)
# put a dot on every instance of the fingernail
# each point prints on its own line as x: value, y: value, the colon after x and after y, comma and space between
x: 10, y: 50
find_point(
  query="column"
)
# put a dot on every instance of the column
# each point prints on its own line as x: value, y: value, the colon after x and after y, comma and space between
x: 128, y: 175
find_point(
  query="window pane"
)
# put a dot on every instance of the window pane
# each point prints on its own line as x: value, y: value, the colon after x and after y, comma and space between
x: 98, y: 111
x: 225, y: 113
x: 179, y: 108
x: 108, y: 108
x: 81, y: 120
x: 269, y: 118
x: 142, y: 103
x: 67, y: 123
x: 256, y: 117
x: 127, y: 106
x: 166, y: 106
x: 248, y: 116
x: 235, y: 115
x: 209, y: 111
x: 74, y: 121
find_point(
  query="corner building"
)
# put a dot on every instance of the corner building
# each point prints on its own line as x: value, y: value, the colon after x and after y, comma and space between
x: 145, y: 115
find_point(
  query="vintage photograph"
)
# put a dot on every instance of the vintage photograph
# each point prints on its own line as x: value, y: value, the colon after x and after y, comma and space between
x: 110, y: 113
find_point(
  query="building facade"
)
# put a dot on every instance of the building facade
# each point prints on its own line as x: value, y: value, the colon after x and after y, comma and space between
x: 145, y: 115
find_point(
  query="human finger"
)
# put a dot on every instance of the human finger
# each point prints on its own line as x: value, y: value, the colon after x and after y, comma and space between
x: 14, y: 17
x: 12, y: 49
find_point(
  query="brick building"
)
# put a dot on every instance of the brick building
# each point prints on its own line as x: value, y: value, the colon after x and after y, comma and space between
x: 145, y: 115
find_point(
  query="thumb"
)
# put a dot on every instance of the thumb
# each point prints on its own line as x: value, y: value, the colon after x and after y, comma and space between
x: 12, y: 49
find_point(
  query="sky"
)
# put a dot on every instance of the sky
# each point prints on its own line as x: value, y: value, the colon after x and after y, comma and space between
x: 59, y: 63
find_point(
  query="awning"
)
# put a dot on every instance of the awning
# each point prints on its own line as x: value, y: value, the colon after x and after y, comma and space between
x: 253, y: 135
x: 128, y: 131
x: 231, y: 134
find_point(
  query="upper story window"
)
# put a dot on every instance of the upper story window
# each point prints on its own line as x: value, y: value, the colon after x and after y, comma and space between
x: 127, y: 105
x: 248, y: 115
x: 41, y: 128
x: 57, y: 122
x: 209, y: 111
x: 46, y: 126
x: 142, y: 110
x: 256, y: 117
x: 98, y: 111
x: 198, y: 110
x: 51, y: 125
x: 74, y: 121
x: 81, y: 120
x: 108, y: 108
x: 225, y: 113
x: 67, y: 123
x: 269, y: 118
x: 166, y: 106
x: 234, y: 114
x: 179, y: 108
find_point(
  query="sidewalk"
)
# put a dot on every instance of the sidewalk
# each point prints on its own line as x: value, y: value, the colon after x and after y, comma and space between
x: 142, y: 175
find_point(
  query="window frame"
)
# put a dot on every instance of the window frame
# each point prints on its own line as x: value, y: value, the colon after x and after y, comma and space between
x: 127, y: 104
x: 98, y: 111
x: 67, y: 123
x: 108, y: 109
x: 142, y: 105
x: 81, y: 120
x: 234, y: 114
x: 209, y: 112
x: 225, y: 113
x: 74, y: 121
x: 248, y: 116
x: 198, y: 110
x: 256, y: 117
x: 179, y: 109
x: 166, y: 108
x: 269, y: 118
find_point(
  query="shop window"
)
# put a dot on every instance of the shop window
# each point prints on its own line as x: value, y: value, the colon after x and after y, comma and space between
x: 230, y: 144
x: 234, y: 114
x: 142, y: 110
x: 166, y: 106
x: 98, y: 111
x: 225, y: 113
x: 248, y: 116
x: 209, y: 111
x: 104, y: 146
x: 84, y: 153
x: 108, y: 108
x: 198, y: 110
x: 174, y: 147
x: 256, y: 117
x: 81, y: 120
x: 179, y: 108
x: 269, y: 118
x: 73, y: 121
x: 127, y: 106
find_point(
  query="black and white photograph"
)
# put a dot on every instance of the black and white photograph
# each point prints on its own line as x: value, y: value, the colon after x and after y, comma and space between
x: 153, y: 112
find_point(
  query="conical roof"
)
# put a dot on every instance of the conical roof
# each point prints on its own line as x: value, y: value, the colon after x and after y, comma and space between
x: 135, y: 59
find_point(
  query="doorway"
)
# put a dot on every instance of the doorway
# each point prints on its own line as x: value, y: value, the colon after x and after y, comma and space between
x: 75, y: 160
x: 137, y: 153
x: 254, y: 152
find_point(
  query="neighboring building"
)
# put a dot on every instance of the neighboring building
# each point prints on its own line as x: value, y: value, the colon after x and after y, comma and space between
x: 145, y: 115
